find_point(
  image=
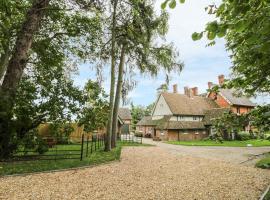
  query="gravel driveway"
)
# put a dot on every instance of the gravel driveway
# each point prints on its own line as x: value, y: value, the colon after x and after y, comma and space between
x: 143, y: 173
x: 235, y: 155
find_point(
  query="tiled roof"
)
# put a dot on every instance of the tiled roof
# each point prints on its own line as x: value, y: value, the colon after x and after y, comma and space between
x: 124, y: 113
x: 147, y: 121
x: 167, y: 124
x: 213, y: 114
x: 181, y: 104
x: 229, y: 94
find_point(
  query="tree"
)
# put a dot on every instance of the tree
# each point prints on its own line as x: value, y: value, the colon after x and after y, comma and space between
x: 163, y: 88
x: 137, y: 113
x: 260, y: 118
x: 112, y: 85
x: 230, y: 124
x: 44, y: 95
x: 136, y: 36
x: 245, y: 26
x: 93, y: 115
x: 48, y: 35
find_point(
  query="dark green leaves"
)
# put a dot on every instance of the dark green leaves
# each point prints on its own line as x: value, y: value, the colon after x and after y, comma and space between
x: 197, y: 36
x: 172, y: 4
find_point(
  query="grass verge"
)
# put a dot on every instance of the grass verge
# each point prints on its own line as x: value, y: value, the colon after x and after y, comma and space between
x: 264, y: 163
x: 254, y: 143
x: 97, y: 157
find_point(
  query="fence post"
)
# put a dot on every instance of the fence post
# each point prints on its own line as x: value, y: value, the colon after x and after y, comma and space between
x: 87, y: 141
x: 92, y: 144
x: 82, y: 146
x: 96, y: 143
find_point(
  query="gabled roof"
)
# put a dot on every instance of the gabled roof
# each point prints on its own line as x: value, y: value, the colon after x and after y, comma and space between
x: 181, y: 104
x: 213, y: 114
x: 229, y: 95
x: 124, y: 113
x: 147, y: 121
x: 175, y: 125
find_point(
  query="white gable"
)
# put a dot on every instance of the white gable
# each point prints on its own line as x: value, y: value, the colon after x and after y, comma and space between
x: 161, y: 108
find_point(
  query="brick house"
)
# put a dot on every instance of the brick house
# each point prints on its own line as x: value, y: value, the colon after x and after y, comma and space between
x: 226, y: 98
x: 125, y: 115
x: 146, y: 126
x: 188, y: 116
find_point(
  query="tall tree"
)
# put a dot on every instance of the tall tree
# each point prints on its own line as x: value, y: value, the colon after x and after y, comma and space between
x: 112, y: 86
x: 118, y: 95
x: 40, y: 43
x: 138, y: 29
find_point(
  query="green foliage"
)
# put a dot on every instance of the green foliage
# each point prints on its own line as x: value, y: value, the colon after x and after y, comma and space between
x: 61, y: 132
x: 138, y: 112
x: 264, y: 163
x: 32, y: 141
x: 94, y: 114
x: 229, y: 123
x: 245, y: 26
x: 242, y: 135
x: 260, y: 118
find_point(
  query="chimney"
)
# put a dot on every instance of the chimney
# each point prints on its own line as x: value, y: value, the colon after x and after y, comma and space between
x: 195, y: 91
x: 221, y: 79
x: 175, y: 88
x: 186, y: 90
x: 210, y: 85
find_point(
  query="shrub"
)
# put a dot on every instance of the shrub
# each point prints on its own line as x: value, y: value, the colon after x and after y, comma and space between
x: 243, y: 136
x: 148, y: 135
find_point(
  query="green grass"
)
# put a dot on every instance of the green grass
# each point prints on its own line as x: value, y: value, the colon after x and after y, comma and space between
x: 264, y: 162
x: 255, y: 143
x: 98, y: 157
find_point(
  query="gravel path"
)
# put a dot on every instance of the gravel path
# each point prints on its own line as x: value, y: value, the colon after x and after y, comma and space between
x: 235, y: 155
x: 143, y: 173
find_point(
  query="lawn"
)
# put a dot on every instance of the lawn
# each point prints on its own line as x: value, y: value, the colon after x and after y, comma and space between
x: 264, y: 162
x: 97, y: 157
x: 254, y: 143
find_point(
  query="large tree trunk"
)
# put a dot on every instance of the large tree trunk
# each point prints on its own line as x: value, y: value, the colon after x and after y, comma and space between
x: 110, y: 116
x: 14, y: 73
x: 118, y: 96
x: 24, y: 41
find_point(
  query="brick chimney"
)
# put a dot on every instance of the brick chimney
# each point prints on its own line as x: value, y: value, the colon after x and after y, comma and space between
x: 195, y: 91
x: 221, y: 79
x: 186, y: 90
x: 210, y: 85
x: 175, y: 88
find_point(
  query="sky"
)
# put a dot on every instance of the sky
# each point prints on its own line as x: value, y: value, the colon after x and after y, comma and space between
x: 202, y: 64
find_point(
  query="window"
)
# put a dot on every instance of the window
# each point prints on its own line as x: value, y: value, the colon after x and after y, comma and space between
x: 161, y: 132
x: 180, y: 118
x: 238, y: 110
x: 195, y: 118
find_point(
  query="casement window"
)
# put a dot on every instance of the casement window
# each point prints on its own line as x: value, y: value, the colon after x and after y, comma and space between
x: 180, y: 118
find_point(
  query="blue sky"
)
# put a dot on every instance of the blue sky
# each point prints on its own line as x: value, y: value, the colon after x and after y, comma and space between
x: 202, y: 64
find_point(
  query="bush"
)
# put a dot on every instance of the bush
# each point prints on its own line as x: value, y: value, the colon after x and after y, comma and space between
x: 243, y: 136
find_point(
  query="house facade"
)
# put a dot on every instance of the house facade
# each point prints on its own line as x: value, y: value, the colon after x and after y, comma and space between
x: 188, y: 116
x: 125, y: 115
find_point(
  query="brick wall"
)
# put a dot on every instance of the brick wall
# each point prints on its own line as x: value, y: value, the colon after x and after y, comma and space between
x: 187, y: 135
